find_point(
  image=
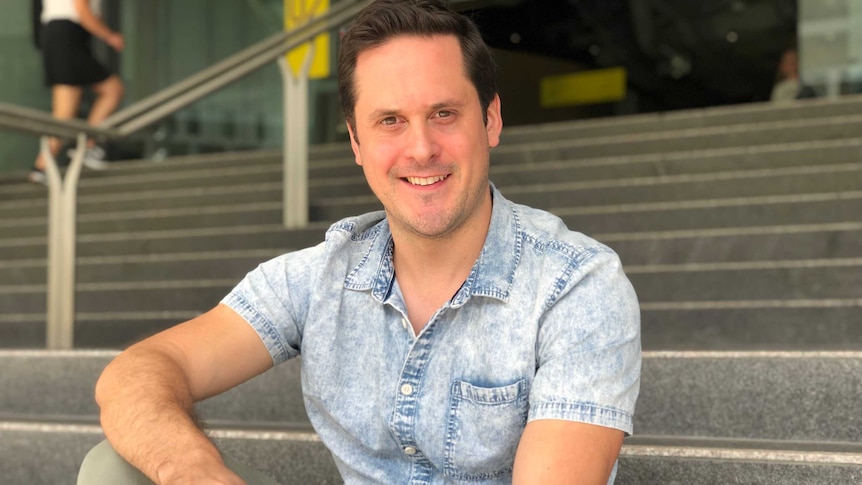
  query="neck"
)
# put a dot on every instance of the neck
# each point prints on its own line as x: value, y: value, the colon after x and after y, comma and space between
x: 431, y: 270
x: 448, y: 256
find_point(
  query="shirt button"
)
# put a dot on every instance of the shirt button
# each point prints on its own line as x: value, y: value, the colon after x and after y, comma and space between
x: 410, y: 450
x: 407, y: 389
x: 404, y: 322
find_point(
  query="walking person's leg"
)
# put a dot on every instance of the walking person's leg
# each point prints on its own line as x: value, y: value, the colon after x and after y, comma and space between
x: 65, y: 101
x: 109, y: 93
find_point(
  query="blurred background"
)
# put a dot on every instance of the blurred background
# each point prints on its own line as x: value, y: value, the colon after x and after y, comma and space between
x: 620, y: 57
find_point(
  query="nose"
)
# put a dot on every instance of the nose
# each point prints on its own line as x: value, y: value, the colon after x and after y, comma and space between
x: 421, y: 143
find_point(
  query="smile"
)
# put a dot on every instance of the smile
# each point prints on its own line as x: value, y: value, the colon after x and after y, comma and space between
x: 425, y: 180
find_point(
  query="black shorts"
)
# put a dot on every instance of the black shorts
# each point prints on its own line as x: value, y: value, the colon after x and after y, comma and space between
x: 67, y: 56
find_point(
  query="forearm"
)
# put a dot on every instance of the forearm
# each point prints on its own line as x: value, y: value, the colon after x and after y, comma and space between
x: 94, y: 25
x: 147, y: 415
x: 560, y: 452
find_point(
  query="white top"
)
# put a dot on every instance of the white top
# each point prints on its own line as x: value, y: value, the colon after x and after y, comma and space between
x: 65, y: 10
x: 785, y: 91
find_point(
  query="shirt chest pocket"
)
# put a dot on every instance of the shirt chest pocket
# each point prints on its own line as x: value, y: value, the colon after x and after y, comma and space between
x: 484, y: 427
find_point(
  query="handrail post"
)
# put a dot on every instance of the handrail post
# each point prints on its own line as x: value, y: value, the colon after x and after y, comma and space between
x: 295, y: 151
x: 62, y: 213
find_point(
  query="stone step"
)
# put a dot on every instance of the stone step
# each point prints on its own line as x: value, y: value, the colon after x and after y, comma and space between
x: 202, y: 186
x: 264, y: 166
x: 811, y: 396
x: 746, y: 134
x: 759, y: 280
x: 683, y: 119
x: 230, y: 215
x: 618, y: 218
x: 754, y: 243
x: 768, y: 242
x: 783, y: 155
x: 744, y: 183
x: 830, y: 324
x: 695, y: 461
x: 723, y: 325
x: 783, y: 280
x: 641, y: 190
x: 725, y: 394
x: 256, y: 237
x: 26, y: 448
x: 738, y: 244
x: 145, y: 267
x: 580, y: 140
x: 714, y: 213
x: 625, y: 217
x: 93, y: 330
x: 227, y: 176
x: 299, y: 457
x: 44, y: 452
x: 128, y: 296
x: 710, y: 215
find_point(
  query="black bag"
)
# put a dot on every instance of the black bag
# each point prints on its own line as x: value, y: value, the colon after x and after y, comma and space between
x: 37, y: 22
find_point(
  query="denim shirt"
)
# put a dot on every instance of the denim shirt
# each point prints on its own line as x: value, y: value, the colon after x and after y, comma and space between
x: 546, y: 326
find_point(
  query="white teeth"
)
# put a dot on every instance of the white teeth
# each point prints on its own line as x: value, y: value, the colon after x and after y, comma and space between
x: 425, y: 180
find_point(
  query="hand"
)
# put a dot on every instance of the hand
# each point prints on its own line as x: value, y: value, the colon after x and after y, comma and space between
x: 116, y: 41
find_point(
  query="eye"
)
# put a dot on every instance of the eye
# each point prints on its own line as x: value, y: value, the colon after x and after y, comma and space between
x: 388, y: 121
x: 444, y: 113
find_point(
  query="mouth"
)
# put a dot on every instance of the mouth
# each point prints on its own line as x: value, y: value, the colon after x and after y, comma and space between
x: 425, y: 181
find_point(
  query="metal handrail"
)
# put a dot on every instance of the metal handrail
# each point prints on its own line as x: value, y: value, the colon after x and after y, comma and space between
x: 184, y: 93
x: 128, y: 121
x: 27, y: 120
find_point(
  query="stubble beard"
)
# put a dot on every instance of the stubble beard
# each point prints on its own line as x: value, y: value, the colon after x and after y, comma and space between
x: 441, y: 226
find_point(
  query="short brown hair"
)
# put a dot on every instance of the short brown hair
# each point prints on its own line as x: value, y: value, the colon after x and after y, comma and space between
x: 384, y: 19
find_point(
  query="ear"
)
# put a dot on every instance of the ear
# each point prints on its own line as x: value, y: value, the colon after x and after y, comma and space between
x: 354, y: 144
x: 495, y: 122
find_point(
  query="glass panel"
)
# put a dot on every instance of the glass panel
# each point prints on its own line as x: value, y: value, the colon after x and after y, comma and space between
x: 172, y: 40
x: 21, y: 82
x: 830, y: 41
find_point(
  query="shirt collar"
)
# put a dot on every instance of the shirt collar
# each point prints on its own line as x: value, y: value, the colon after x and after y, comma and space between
x: 492, y: 275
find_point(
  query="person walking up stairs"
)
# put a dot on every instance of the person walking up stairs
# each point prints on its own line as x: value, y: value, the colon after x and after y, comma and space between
x: 67, y: 29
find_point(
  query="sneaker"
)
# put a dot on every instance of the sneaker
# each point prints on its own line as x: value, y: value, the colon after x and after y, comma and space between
x: 37, y: 176
x: 94, y: 157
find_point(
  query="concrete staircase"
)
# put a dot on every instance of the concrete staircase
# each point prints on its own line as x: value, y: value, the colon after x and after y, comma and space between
x: 740, y: 227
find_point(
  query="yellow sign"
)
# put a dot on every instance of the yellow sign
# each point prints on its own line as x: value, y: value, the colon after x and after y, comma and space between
x: 296, y: 14
x: 590, y: 87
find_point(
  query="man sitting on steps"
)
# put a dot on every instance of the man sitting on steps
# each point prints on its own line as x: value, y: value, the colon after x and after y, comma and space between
x: 455, y: 336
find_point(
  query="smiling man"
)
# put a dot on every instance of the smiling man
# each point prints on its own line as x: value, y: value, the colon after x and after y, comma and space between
x: 453, y: 337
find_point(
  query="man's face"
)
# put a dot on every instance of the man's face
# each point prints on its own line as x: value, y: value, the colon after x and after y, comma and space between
x: 422, y: 142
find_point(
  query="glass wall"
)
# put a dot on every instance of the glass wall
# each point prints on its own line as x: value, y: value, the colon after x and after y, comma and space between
x: 170, y: 40
x: 830, y: 45
x: 20, y: 82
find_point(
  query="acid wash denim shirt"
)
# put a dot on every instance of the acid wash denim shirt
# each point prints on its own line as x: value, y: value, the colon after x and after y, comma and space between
x: 546, y: 326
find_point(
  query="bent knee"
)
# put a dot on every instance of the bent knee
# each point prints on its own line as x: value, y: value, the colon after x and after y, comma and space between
x: 113, y: 86
x: 103, y: 466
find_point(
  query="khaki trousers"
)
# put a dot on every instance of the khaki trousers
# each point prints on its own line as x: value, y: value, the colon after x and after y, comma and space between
x: 103, y: 466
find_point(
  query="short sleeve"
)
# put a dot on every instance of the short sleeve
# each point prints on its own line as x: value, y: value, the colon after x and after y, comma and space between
x: 271, y: 299
x: 589, y: 351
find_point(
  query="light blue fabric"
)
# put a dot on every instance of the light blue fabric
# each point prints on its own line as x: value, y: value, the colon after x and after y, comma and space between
x: 547, y: 326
